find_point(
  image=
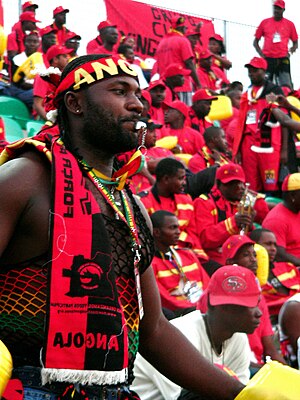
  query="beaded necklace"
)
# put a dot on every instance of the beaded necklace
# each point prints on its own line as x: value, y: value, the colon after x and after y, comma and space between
x: 127, y: 217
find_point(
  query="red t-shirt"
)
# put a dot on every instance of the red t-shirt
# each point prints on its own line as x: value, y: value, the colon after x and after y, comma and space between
x: 285, y: 225
x: 174, y: 48
x: 188, y: 138
x: 276, y: 36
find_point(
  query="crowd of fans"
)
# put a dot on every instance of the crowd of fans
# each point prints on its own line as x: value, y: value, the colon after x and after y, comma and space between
x: 209, y: 185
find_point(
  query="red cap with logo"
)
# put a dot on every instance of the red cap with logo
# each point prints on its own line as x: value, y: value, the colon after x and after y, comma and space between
x: 28, y: 16
x: 233, y: 244
x: 230, y: 172
x: 258, y: 62
x: 191, y: 32
x: 176, y: 69
x: 233, y: 284
x: 147, y: 96
x: 57, y: 50
x: 28, y: 4
x: 105, y: 24
x: 59, y: 10
x: 291, y: 182
x: 179, y: 106
x: 205, y: 54
x: 217, y: 37
x: 279, y: 3
x: 203, y: 94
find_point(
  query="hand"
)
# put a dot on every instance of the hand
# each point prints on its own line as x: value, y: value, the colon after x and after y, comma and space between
x: 271, y: 97
x: 243, y: 220
x: 215, y: 155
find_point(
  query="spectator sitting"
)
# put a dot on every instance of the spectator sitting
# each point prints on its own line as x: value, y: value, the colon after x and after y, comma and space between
x: 127, y: 51
x: 212, y: 153
x: 168, y: 194
x: 284, y: 219
x: 57, y: 57
x: 48, y: 39
x: 72, y: 42
x: 22, y: 79
x: 105, y: 42
x: 146, y: 178
x: 219, y: 334
x: 176, y: 121
x: 217, y: 215
x: 200, y: 109
x: 239, y: 249
x: 157, y: 90
x: 146, y: 100
x: 59, y: 16
x: 289, y: 330
x: 284, y: 278
x: 179, y: 275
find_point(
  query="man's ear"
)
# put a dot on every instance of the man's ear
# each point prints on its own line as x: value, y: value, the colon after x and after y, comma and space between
x: 73, y: 102
x: 156, y: 232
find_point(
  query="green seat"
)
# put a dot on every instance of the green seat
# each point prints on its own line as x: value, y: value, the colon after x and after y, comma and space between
x: 13, y: 131
x: 33, y: 127
x: 274, y: 200
x: 14, y: 109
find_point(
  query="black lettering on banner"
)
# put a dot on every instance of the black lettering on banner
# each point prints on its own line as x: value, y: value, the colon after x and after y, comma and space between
x: 90, y: 340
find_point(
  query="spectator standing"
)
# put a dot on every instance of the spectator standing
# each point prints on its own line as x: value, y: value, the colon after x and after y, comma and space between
x: 176, y: 48
x: 72, y: 42
x: 277, y: 32
x: 217, y: 47
x: 157, y: 90
x: 261, y: 169
x: 60, y: 16
x: 174, y: 77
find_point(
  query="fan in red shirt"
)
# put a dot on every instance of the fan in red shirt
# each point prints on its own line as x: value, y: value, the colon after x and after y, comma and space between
x: 277, y: 32
x: 105, y: 42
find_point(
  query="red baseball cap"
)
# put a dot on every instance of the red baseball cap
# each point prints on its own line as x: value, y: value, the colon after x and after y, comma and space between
x: 257, y: 62
x: 29, y: 4
x: 59, y: 10
x: 28, y: 16
x: 233, y: 284
x: 179, y: 106
x: 230, y: 172
x: 203, y: 94
x: 105, y: 24
x: 46, y: 30
x: 72, y: 35
x: 217, y: 37
x: 205, y: 54
x: 279, y: 3
x: 176, y: 69
x: 156, y: 83
x: 57, y: 50
x: 233, y: 244
x: 291, y: 182
x: 177, y: 21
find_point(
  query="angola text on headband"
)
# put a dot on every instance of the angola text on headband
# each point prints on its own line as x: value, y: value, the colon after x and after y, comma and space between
x: 94, y: 71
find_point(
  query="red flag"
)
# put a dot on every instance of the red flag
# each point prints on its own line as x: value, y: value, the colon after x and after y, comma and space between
x: 149, y: 24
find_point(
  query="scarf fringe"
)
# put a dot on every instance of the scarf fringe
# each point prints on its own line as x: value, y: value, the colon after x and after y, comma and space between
x: 84, y: 377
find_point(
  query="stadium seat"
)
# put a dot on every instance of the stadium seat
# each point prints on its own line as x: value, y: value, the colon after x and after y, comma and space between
x: 13, y: 131
x: 14, y: 109
x: 33, y: 127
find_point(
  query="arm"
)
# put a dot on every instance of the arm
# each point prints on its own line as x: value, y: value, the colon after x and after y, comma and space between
x: 294, y: 47
x: 190, y: 65
x: 283, y: 255
x: 158, y: 339
x: 257, y: 47
x: 270, y: 349
x: 284, y: 145
x: 38, y: 106
x: 290, y: 323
